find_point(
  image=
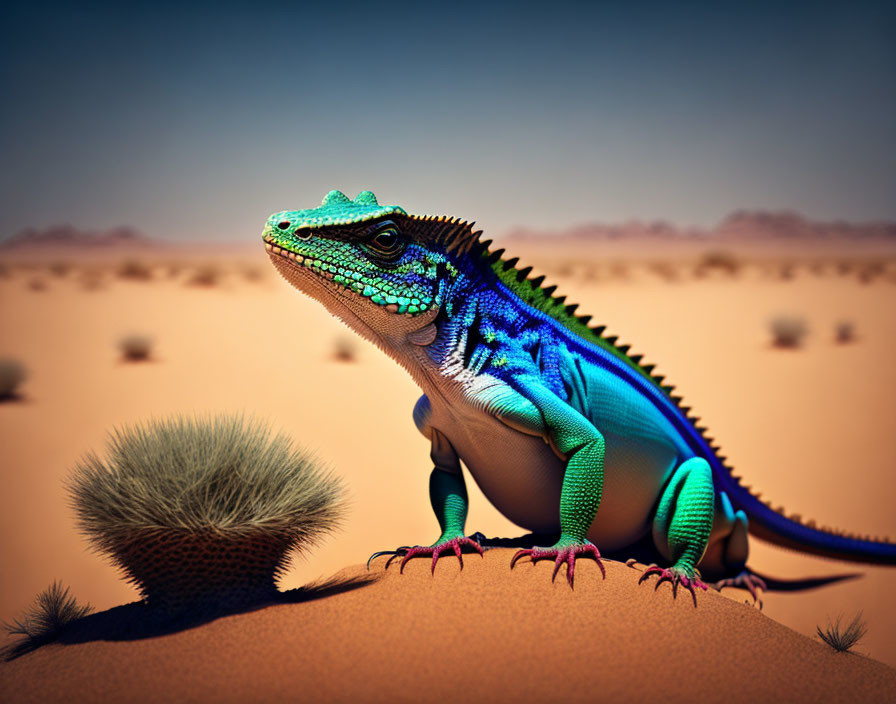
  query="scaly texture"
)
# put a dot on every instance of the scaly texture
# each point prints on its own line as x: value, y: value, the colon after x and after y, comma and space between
x: 565, y: 431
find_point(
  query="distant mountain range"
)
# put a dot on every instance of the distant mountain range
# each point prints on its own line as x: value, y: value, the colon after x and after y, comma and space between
x: 71, y: 238
x: 739, y: 225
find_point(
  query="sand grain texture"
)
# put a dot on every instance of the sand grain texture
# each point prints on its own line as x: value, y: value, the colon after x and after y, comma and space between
x: 482, y: 635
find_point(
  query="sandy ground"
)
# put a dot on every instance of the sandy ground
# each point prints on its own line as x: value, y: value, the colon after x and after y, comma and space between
x: 477, y: 636
x: 811, y: 428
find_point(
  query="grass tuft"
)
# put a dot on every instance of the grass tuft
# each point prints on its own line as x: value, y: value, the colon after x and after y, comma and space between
x: 844, y: 331
x: 12, y: 374
x: 719, y: 260
x: 843, y: 639
x: 44, y: 620
x: 136, y: 347
x: 134, y: 270
x: 788, y: 331
x: 208, y: 275
x: 203, y: 512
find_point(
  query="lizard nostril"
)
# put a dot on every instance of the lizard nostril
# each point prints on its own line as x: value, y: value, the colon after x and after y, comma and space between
x: 283, y: 224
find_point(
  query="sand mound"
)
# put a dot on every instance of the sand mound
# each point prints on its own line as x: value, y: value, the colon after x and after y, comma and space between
x: 484, y: 634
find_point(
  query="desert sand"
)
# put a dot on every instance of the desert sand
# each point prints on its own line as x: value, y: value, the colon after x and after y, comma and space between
x: 811, y: 428
x: 481, y: 635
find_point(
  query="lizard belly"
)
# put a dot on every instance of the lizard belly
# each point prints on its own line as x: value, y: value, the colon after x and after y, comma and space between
x: 522, y: 476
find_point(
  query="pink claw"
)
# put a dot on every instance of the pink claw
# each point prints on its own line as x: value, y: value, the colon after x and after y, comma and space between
x: 407, y: 553
x: 745, y: 580
x: 675, y: 577
x: 566, y: 554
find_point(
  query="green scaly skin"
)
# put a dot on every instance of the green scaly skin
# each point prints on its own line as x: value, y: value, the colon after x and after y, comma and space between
x: 563, y: 429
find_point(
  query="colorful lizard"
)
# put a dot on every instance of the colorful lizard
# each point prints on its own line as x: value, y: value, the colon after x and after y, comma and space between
x: 564, y: 431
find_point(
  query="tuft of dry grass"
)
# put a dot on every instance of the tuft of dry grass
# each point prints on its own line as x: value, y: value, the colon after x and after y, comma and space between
x: 12, y: 374
x: 53, y: 609
x: 135, y: 347
x: 788, y: 331
x: 844, y: 331
x: 719, y: 260
x: 207, y: 275
x: 203, y: 512
x: 843, y: 639
x: 60, y: 268
x: 134, y: 270
x: 37, y: 284
x: 345, y: 349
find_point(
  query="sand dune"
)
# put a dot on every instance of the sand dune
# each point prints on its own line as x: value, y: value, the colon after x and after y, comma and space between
x: 481, y: 635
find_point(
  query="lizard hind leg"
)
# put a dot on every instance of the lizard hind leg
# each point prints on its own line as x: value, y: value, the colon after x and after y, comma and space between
x: 682, y: 526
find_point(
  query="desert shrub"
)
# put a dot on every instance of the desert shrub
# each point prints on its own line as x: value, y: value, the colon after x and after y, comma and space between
x: 664, y: 270
x: 844, y: 331
x: 37, y: 284
x: 53, y: 609
x: 719, y: 260
x: 253, y: 273
x: 134, y: 270
x: 788, y: 330
x: 207, y: 275
x: 12, y: 374
x: 345, y: 349
x: 842, y: 639
x: 135, y: 347
x: 203, y: 513
x: 60, y: 268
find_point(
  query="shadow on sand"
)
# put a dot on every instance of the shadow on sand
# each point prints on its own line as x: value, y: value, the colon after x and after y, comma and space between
x: 137, y: 620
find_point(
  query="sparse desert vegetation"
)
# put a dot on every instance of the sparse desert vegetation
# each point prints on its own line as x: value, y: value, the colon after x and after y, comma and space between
x: 345, y: 349
x: 844, y: 331
x: 12, y: 374
x: 53, y: 609
x: 843, y: 638
x: 207, y: 275
x: 37, y: 284
x: 788, y: 331
x: 134, y: 270
x: 135, y: 347
x: 718, y: 260
x: 203, y: 513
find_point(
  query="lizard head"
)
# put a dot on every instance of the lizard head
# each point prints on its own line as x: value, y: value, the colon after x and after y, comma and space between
x: 383, y: 272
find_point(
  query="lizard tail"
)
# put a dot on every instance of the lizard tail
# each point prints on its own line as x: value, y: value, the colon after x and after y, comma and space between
x: 774, y: 526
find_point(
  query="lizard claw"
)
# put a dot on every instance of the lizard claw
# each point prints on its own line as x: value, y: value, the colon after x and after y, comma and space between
x: 675, y: 576
x: 745, y: 580
x: 566, y: 554
x: 406, y: 552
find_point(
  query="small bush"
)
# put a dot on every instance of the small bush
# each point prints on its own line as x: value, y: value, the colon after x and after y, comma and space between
x: 207, y: 276
x: 37, y: 284
x: 134, y: 270
x: 844, y: 331
x: 42, y: 623
x: 719, y: 260
x: 345, y: 349
x: 841, y: 639
x: 135, y: 347
x: 788, y: 331
x: 60, y: 269
x: 203, y: 514
x: 12, y: 374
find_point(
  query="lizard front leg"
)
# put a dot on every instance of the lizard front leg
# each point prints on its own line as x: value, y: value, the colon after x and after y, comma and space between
x: 574, y: 437
x: 448, y: 496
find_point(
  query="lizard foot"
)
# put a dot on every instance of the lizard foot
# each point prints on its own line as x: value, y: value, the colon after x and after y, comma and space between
x: 675, y: 576
x: 745, y: 580
x: 406, y: 552
x: 560, y: 554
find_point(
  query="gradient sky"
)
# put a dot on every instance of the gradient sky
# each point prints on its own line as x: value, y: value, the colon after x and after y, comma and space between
x: 199, y: 122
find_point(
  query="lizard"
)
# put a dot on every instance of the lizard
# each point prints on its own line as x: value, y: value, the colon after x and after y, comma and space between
x: 565, y: 431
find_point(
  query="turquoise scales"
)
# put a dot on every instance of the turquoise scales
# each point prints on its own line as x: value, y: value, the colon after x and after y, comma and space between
x: 564, y: 430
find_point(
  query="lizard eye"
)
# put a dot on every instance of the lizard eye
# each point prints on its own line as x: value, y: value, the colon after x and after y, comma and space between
x: 386, y: 242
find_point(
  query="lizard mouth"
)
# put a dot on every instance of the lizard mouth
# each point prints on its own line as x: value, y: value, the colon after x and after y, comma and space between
x: 343, y: 284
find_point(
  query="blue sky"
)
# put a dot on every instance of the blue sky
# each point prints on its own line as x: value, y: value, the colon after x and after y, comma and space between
x: 198, y: 121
